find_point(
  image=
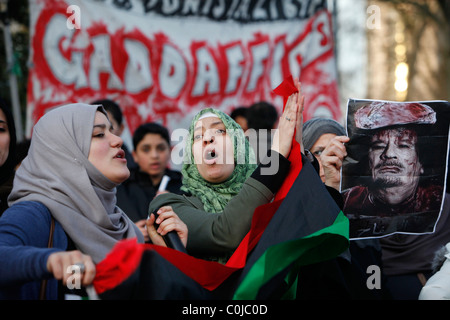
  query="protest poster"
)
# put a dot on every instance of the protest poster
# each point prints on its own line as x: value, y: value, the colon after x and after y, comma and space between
x: 394, y: 177
x: 165, y: 60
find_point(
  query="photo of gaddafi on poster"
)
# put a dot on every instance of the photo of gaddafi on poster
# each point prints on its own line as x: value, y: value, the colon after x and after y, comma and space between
x: 394, y: 177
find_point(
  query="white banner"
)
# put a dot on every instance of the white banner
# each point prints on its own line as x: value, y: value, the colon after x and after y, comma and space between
x: 165, y: 60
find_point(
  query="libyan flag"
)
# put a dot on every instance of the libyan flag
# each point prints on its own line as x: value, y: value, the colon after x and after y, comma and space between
x: 302, y: 226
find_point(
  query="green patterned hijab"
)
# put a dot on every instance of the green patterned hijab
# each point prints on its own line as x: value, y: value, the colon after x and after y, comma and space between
x: 215, y: 196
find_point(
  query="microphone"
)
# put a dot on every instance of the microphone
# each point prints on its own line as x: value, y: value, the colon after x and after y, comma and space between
x: 171, y: 239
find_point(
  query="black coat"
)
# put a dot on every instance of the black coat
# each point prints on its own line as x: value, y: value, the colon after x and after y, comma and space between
x: 135, y: 194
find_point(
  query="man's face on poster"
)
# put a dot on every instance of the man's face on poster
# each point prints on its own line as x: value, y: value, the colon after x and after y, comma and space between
x: 394, y: 160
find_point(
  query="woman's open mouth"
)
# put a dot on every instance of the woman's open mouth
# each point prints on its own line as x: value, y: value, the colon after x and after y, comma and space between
x: 210, y: 156
x: 120, y: 155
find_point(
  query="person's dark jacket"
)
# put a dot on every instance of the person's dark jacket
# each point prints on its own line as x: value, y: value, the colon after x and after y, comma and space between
x: 344, y: 277
x: 135, y: 194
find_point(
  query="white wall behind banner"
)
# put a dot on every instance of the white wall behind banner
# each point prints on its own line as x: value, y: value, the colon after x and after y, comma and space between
x: 165, y: 60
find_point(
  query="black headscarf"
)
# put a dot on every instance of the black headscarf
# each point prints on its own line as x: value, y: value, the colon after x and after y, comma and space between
x: 8, y: 168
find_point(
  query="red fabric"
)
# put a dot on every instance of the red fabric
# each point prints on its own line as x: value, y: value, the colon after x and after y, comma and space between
x: 126, y: 255
x: 296, y: 166
x: 285, y: 89
x: 118, y: 265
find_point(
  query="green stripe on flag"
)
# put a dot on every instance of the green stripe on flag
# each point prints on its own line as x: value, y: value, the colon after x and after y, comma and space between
x: 322, y: 245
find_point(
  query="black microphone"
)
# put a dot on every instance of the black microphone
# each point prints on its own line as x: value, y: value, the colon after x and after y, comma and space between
x: 171, y: 239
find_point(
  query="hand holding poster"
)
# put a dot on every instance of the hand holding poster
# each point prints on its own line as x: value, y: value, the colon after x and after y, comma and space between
x: 394, y: 177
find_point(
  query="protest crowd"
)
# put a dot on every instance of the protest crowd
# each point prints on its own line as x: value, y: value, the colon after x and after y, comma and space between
x: 263, y: 206
x: 209, y: 205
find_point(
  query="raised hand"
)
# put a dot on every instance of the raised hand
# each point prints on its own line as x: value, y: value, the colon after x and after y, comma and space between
x: 299, y: 121
x: 289, y: 121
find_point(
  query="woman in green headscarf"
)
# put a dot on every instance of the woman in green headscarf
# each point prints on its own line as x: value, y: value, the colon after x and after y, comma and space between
x: 213, y: 191
x: 222, y: 182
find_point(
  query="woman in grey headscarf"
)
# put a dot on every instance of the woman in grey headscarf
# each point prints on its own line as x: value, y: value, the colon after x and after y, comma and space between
x: 69, y: 176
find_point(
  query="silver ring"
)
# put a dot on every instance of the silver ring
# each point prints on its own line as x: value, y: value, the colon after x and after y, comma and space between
x: 81, y: 266
x: 288, y: 119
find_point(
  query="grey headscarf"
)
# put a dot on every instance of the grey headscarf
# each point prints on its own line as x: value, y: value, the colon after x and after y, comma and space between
x: 313, y: 129
x: 58, y: 174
